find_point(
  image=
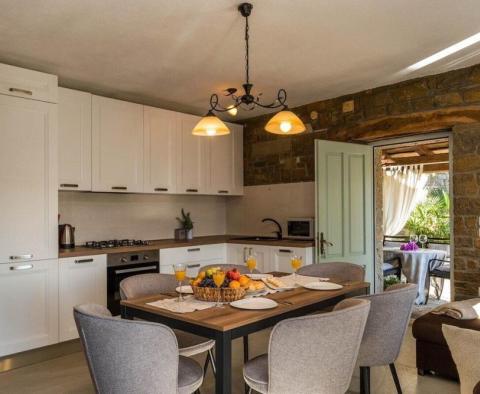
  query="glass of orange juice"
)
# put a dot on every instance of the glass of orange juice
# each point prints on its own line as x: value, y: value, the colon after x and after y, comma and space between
x: 296, y: 263
x: 180, y: 275
x: 251, y: 263
x: 218, y: 278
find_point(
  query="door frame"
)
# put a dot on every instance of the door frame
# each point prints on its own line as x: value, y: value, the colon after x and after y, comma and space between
x: 381, y: 144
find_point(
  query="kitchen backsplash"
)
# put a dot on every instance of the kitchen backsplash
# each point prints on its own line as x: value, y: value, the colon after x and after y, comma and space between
x: 143, y: 216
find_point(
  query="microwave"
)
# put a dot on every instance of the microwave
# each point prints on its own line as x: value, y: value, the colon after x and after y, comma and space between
x: 301, y: 228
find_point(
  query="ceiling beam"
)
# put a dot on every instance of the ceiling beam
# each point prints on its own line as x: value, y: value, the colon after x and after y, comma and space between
x: 443, y: 158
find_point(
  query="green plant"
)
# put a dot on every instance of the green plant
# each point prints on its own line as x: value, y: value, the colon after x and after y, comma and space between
x: 432, y: 216
x: 390, y: 280
x: 185, y: 222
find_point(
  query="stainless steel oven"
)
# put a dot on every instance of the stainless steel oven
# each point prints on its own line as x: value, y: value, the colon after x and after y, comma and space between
x: 123, y: 265
x: 301, y: 228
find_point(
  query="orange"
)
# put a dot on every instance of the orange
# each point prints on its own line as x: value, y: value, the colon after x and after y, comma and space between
x: 201, y: 274
x: 244, y: 281
x: 234, y: 284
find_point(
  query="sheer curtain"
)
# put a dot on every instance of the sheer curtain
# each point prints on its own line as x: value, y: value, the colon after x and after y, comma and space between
x: 403, y: 189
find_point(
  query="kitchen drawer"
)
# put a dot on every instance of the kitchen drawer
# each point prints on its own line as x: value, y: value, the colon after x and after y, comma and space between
x: 192, y: 253
x: 20, y: 82
x: 193, y: 268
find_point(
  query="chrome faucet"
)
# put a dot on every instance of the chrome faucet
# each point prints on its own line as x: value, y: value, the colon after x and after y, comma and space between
x: 279, y: 232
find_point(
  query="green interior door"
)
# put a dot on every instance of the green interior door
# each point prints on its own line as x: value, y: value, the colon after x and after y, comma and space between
x: 344, y: 204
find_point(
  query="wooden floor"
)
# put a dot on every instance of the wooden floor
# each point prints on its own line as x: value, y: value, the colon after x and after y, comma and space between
x: 69, y: 374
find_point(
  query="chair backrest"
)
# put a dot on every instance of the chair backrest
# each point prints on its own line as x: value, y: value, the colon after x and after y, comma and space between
x: 146, y: 284
x: 395, y: 240
x: 126, y: 356
x: 226, y: 267
x: 317, y: 353
x: 387, y: 324
x: 336, y: 271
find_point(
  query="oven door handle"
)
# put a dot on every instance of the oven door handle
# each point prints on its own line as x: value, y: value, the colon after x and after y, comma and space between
x: 139, y: 269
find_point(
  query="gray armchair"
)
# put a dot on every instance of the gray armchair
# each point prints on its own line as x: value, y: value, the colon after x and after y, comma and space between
x: 151, y: 284
x: 337, y: 270
x: 386, y: 326
x: 311, y: 354
x: 126, y: 356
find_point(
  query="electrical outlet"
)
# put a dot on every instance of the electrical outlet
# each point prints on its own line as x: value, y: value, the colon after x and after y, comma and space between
x: 348, y: 106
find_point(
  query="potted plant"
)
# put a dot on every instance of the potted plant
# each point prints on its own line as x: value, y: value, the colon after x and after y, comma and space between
x: 186, y: 226
x: 390, y: 280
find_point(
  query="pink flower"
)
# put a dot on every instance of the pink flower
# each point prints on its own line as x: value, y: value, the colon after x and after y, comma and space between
x: 409, y: 246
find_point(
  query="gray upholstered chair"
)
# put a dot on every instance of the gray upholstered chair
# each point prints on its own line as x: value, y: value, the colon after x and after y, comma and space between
x: 311, y: 354
x: 151, y: 284
x: 126, y: 356
x: 226, y: 267
x: 339, y: 271
x: 386, y: 327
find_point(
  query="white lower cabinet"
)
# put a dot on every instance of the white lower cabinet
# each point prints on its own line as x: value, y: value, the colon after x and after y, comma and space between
x: 269, y: 258
x: 28, y: 305
x: 82, y: 280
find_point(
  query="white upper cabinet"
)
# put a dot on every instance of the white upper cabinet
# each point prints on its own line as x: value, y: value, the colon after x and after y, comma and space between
x: 221, y: 149
x: 117, y: 146
x: 19, y: 82
x: 74, y: 140
x: 237, y: 158
x: 28, y: 175
x: 160, y: 129
x: 192, y: 163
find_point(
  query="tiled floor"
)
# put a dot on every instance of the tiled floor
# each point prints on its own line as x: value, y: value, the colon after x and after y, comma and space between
x: 69, y: 374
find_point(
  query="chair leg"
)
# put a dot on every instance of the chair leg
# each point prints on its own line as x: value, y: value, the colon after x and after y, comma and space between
x: 248, y: 390
x: 364, y: 380
x: 393, y: 370
x: 210, y: 360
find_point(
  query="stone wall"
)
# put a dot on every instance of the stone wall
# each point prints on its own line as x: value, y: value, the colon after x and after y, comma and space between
x: 421, y: 105
x: 466, y: 209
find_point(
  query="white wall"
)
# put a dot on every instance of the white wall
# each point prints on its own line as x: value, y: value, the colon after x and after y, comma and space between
x: 99, y: 216
x: 244, y: 214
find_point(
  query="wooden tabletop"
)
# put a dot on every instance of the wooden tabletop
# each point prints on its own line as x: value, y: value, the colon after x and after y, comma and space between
x: 228, y: 318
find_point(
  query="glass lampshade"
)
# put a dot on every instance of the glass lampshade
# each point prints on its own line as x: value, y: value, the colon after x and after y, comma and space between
x: 210, y: 126
x: 285, y: 123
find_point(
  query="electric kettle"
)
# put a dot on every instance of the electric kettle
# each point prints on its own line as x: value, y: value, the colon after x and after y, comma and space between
x: 66, y: 236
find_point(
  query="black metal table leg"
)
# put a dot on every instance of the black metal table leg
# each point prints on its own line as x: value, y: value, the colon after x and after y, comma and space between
x: 223, y: 358
x: 245, y: 358
x: 125, y: 313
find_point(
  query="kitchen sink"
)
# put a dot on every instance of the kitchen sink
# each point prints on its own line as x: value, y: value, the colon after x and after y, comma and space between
x: 255, y: 238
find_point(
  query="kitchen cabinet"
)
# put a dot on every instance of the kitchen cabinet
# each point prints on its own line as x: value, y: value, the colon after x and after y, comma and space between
x: 20, y: 82
x: 195, y: 257
x: 160, y: 129
x: 117, y: 146
x: 82, y: 280
x: 192, y: 165
x: 226, y: 162
x: 28, y: 305
x: 237, y: 254
x: 280, y: 257
x: 28, y: 175
x: 74, y: 140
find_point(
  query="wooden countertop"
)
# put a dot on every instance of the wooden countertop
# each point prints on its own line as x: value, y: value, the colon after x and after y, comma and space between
x: 171, y: 243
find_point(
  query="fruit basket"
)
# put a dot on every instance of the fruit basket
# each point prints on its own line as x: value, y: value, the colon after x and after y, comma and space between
x: 214, y: 294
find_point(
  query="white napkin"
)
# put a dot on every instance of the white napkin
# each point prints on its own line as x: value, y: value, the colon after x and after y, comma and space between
x: 190, y: 304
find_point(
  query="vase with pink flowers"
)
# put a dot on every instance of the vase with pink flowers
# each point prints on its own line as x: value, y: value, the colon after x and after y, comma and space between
x: 409, y: 246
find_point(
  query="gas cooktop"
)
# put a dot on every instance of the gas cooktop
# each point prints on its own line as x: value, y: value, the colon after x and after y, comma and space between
x: 116, y: 243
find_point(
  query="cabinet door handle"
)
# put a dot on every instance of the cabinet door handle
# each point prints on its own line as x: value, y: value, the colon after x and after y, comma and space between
x: 161, y: 189
x: 24, y: 91
x: 22, y: 257
x: 193, y: 250
x: 81, y: 261
x: 68, y: 185
x: 21, y: 267
x: 119, y: 188
x: 250, y: 251
x: 223, y: 192
x: 193, y: 266
x: 192, y: 190
x: 284, y: 250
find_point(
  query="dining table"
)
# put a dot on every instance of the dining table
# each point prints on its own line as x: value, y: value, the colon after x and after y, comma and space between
x: 416, y: 265
x: 228, y: 323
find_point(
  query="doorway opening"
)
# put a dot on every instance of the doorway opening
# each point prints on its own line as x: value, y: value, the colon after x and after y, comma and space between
x: 413, y: 216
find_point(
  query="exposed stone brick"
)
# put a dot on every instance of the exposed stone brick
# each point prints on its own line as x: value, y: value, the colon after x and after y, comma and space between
x: 465, y: 185
x: 448, y: 99
x: 472, y: 96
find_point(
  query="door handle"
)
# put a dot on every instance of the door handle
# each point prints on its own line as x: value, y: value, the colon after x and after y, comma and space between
x: 22, y: 257
x: 24, y: 91
x: 68, y: 185
x: 119, y: 188
x: 161, y: 189
x: 193, y: 250
x: 21, y: 267
x: 192, y: 190
x: 284, y: 250
x: 82, y: 261
x: 193, y: 266
x: 322, y: 243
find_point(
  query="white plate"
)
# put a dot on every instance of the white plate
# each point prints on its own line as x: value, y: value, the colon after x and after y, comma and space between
x: 254, y: 303
x: 322, y: 286
x: 259, y: 276
x: 184, y: 289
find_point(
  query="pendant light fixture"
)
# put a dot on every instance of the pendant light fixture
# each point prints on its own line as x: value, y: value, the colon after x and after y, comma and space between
x: 285, y: 122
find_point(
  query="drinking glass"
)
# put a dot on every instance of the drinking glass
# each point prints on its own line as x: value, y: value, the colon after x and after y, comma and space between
x: 218, y: 279
x: 423, y: 240
x: 180, y: 274
x: 413, y: 238
x: 296, y: 263
x: 251, y: 263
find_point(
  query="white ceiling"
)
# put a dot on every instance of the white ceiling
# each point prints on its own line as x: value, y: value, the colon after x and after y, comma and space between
x: 175, y: 53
